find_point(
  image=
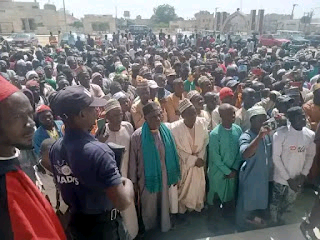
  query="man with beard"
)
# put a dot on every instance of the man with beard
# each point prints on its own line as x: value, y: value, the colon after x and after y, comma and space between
x: 242, y: 115
x: 153, y: 168
x: 25, y: 213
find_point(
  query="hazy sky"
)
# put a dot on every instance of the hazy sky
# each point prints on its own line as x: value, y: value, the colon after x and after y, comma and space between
x: 184, y: 8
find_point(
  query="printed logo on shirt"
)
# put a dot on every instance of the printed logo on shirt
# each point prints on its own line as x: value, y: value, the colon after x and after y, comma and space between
x: 302, y: 149
x: 293, y: 148
x: 64, y: 174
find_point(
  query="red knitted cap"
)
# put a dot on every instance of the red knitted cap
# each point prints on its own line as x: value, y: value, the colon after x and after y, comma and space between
x: 6, y: 89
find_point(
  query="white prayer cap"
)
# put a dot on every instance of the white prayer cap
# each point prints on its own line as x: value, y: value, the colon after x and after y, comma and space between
x: 256, y: 110
x: 184, y: 104
x: 119, y: 95
x: 111, y: 104
x: 157, y: 63
x: 282, y: 70
x: 152, y: 84
x: 30, y: 73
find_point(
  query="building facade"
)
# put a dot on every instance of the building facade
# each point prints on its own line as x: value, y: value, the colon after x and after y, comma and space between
x: 29, y: 17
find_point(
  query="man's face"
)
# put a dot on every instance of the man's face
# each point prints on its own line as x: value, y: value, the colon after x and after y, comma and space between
x: 249, y: 100
x: 228, y: 116
x: 298, y: 122
x: 16, y: 121
x: 97, y: 80
x: 21, y: 70
x: 84, y: 79
x: 125, y: 104
x: 207, y: 87
x: 115, y: 117
x: 159, y: 69
x: 171, y: 78
x: 178, y: 88
x: 189, y: 116
x: 153, y: 119
x: 161, y: 81
x: 198, y: 102
x: 36, y: 93
x: 211, y: 102
x: 46, y: 119
x: 72, y: 63
x: 144, y: 94
x: 125, y: 62
x: 88, y: 117
x: 48, y: 71
x: 257, y: 121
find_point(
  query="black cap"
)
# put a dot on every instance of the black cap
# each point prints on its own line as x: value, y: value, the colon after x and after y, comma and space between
x: 72, y: 99
x: 285, y: 99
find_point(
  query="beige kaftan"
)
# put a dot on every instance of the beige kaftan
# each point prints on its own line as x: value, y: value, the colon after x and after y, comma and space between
x: 122, y: 137
x: 191, y: 188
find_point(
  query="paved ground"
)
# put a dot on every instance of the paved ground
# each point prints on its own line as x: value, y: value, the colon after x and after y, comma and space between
x: 287, y: 232
x: 199, y: 227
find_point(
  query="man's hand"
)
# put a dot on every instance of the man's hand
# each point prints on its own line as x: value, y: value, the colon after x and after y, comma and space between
x: 300, y: 180
x: 293, y: 184
x: 264, y: 131
x: 233, y: 174
x: 199, y: 163
x: 102, y: 135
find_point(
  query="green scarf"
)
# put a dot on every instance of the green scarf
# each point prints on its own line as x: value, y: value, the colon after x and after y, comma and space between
x: 151, y: 159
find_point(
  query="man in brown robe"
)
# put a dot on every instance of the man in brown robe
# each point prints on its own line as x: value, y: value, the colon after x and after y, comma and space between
x: 150, y: 203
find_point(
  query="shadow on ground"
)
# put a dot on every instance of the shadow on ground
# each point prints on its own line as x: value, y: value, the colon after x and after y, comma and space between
x: 201, y: 225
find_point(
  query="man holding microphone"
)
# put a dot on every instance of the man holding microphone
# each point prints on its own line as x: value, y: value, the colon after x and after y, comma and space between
x: 86, y: 171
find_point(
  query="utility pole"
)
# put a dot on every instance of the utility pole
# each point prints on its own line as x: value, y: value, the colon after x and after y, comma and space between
x: 215, y: 19
x: 293, y: 7
x: 65, y: 16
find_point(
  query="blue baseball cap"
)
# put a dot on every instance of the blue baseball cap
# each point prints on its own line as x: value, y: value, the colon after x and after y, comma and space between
x: 72, y: 99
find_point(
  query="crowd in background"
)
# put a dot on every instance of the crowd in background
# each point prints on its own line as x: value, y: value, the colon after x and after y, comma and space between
x: 206, y: 125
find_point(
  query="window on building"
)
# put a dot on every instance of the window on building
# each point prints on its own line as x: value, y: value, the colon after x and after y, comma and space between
x: 35, y: 7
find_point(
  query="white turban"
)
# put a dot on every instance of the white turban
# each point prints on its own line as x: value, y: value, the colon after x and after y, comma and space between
x: 31, y: 73
x: 119, y: 95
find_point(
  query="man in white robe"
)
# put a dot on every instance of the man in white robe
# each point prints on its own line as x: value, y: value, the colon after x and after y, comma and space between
x: 191, y: 138
x: 119, y: 132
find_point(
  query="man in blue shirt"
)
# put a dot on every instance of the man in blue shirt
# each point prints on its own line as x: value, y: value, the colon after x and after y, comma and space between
x: 86, y: 171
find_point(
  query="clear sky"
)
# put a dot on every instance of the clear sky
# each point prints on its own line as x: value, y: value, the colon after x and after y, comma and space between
x: 184, y: 8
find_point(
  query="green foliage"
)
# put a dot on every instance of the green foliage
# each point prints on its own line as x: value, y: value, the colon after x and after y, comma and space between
x: 164, y: 14
x: 77, y: 24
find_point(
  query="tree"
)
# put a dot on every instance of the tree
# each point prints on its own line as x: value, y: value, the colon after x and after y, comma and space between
x: 77, y: 24
x: 164, y: 13
x: 306, y: 19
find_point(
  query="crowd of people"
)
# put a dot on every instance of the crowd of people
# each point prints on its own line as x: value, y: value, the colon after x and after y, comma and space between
x: 134, y: 135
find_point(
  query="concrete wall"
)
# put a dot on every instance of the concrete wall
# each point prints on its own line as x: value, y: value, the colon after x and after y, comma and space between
x: 89, y: 19
x: 184, y: 25
x: 45, y: 20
